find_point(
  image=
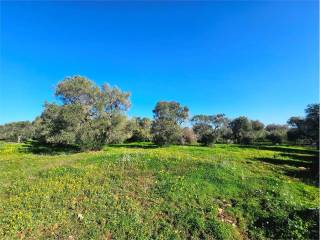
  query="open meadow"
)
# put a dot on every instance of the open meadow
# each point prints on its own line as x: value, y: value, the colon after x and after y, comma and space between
x: 140, y: 191
x: 178, y: 120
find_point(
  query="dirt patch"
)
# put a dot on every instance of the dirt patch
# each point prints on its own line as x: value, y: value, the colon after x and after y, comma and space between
x: 226, y: 217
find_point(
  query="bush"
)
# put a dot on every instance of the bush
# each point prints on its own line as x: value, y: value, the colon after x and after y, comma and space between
x: 207, y: 138
x: 16, y: 131
x: 246, y: 140
x: 188, y: 136
x: 205, y: 133
x: 277, y: 134
x: 275, y: 138
x: 90, y: 139
x: 140, y: 130
x: 92, y: 135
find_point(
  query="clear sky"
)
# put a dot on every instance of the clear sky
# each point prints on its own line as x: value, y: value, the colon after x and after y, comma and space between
x: 253, y: 58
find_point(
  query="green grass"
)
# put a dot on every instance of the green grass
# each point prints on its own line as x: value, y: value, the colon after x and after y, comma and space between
x: 139, y: 191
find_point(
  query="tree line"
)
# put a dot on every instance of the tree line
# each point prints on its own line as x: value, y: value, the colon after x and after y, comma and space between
x: 90, y: 116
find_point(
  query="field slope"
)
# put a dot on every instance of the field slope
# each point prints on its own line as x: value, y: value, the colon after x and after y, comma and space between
x: 139, y: 191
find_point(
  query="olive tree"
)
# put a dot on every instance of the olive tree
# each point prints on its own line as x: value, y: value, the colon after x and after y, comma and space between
x: 221, y: 126
x: 166, y: 126
x: 296, y: 132
x: 88, y: 115
x: 276, y: 133
x: 312, y: 122
x: 59, y: 124
x: 241, y: 130
x: 305, y: 129
x: 140, y: 129
x: 202, y: 127
x: 211, y: 128
x: 16, y: 131
x: 258, y: 131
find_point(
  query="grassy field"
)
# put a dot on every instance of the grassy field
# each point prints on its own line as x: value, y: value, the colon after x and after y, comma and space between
x: 139, y: 191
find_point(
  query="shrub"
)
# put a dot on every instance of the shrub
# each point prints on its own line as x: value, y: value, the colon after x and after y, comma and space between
x: 140, y: 130
x: 16, y: 131
x: 277, y: 134
x: 207, y: 138
x: 188, y: 136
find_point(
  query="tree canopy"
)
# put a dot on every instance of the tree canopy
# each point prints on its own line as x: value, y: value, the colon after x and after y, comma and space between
x: 91, y: 116
x: 166, y: 126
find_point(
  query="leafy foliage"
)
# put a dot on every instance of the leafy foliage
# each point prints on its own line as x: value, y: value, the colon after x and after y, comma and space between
x: 241, y: 126
x: 140, y: 130
x: 88, y: 116
x: 276, y: 133
x: 211, y: 128
x: 166, y: 127
x: 305, y: 129
x: 16, y: 131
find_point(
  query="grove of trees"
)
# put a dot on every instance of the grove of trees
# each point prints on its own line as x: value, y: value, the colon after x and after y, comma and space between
x: 90, y: 117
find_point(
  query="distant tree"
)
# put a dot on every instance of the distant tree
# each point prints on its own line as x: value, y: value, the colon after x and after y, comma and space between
x: 242, y: 130
x: 221, y: 127
x: 296, y: 122
x: 202, y: 127
x: 257, y: 125
x: 16, y: 131
x: 89, y: 116
x: 258, y: 130
x: 140, y: 130
x: 306, y: 129
x: 276, y: 133
x: 296, y: 132
x: 166, y: 127
x: 210, y: 128
x: 312, y: 122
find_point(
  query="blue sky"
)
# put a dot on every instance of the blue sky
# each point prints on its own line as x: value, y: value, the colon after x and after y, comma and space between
x: 258, y: 59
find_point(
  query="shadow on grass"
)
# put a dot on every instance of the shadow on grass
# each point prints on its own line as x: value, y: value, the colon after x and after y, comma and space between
x: 277, y: 161
x: 281, y: 227
x: 306, y: 167
x: 304, y: 158
x: 305, y: 162
x: 282, y: 149
x: 309, y: 176
x: 48, y: 149
x: 135, y: 145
